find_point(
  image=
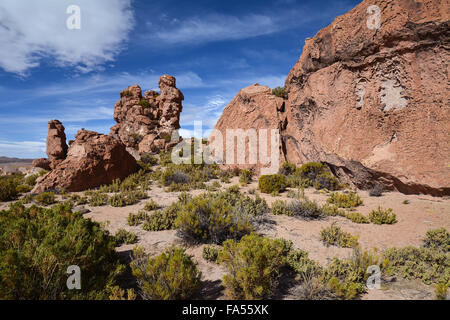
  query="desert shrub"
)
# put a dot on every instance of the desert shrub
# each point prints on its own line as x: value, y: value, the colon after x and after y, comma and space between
x: 304, y: 209
x: 299, y: 194
x: 8, y: 189
x: 438, y: 239
x: 37, y: 245
x: 171, y: 275
x: 136, y: 136
x: 335, y: 236
x: 136, y: 219
x: 162, y: 219
x: 45, y: 198
x: 123, y: 236
x: 253, y: 266
x: 31, y: 180
x: 440, y: 291
x: 98, y: 199
x: 347, y: 278
x: 311, y: 170
x: 272, y: 183
x: 149, y: 159
x: 280, y: 92
x: 428, y: 265
x: 326, y: 181
x: 287, y: 169
x: 345, y: 200
x: 357, y: 217
x: 210, y: 219
x: 151, y: 205
x: 376, y: 191
x: 245, y: 177
x: 279, y: 207
x: 144, y: 103
x: 381, y: 216
x: 298, y: 261
x: 210, y: 253
x: 23, y: 188
x: 117, y: 293
x: 406, y: 202
x: 332, y: 210
x: 126, y: 198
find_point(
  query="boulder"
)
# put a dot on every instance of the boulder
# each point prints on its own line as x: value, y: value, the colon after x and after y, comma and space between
x: 146, y: 122
x: 41, y: 163
x: 92, y: 160
x: 56, y: 141
x: 369, y: 97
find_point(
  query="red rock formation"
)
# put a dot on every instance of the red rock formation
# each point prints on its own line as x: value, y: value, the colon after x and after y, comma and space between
x: 93, y: 159
x: 373, y: 102
x: 146, y: 122
x: 56, y: 143
x: 41, y: 163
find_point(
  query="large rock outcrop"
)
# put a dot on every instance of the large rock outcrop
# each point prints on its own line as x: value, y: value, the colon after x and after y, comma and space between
x: 92, y: 160
x: 146, y: 123
x: 372, y: 99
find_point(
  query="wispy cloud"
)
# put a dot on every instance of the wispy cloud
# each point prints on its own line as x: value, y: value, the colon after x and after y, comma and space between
x: 22, y: 149
x: 31, y: 30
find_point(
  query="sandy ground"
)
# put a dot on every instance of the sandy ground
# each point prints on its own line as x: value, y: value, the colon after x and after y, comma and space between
x: 414, y: 220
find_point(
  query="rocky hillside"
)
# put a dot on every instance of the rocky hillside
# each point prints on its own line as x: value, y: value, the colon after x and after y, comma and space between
x: 369, y: 97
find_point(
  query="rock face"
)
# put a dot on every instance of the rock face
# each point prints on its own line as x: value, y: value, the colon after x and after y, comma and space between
x: 56, y: 143
x: 146, y: 123
x: 369, y: 97
x: 41, y: 163
x: 253, y: 107
x: 93, y: 159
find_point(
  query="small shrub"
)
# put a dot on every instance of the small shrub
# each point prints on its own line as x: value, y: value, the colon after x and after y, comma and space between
x: 280, y: 92
x: 137, y: 219
x: 343, y: 200
x: 272, y: 183
x: 253, y: 266
x: 23, y: 188
x: 149, y: 159
x: 304, y: 209
x: 381, y: 216
x: 8, y: 189
x: 326, y: 181
x: 406, y: 202
x: 440, y: 291
x: 151, y: 205
x: 357, y: 217
x: 311, y: 170
x: 279, y: 207
x: 245, y: 177
x: 123, y: 236
x: 174, y: 177
x: 98, y: 199
x: 210, y: 253
x: 298, y: 261
x: 144, y: 103
x: 170, y: 276
x: 162, y: 219
x: 31, y: 180
x: 332, y: 210
x: 287, y: 169
x: 334, y: 236
x: 376, y: 191
x: 45, y: 198
x: 438, y: 239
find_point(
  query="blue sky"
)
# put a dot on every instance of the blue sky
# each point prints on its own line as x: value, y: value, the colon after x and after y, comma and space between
x: 213, y: 48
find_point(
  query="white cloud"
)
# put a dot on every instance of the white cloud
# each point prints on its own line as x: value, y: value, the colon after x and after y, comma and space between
x: 216, y: 27
x: 31, y: 30
x: 22, y: 149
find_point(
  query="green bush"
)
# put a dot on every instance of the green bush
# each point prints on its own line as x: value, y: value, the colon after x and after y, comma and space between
x: 98, y: 199
x: 280, y: 92
x: 151, y: 205
x: 149, y: 159
x: 326, y: 181
x: 253, y: 266
x: 31, y: 180
x: 170, y: 276
x: 272, y: 183
x: 137, y: 219
x: 123, y: 236
x: 332, y: 210
x: 45, y: 198
x: 347, y: 278
x: 304, y: 209
x: 37, y: 245
x: 23, y: 188
x: 343, y: 200
x: 245, y: 177
x: 287, y: 169
x: 210, y: 253
x: 298, y: 261
x: 335, y: 236
x: 381, y: 216
x: 311, y: 170
x: 441, y: 291
x: 357, y: 217
x: 8, y: 189
x: 438, y: 239
x: 162, y: 219
x: 144, y: 103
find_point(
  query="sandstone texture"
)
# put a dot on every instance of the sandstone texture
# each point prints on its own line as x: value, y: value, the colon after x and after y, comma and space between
x: 41, y: 163
x: 93, y: 159
x: 370, y: 97
x: 146, y: 122
x: 56, y: 143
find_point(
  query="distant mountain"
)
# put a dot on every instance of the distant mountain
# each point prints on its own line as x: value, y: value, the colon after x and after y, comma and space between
x: 11, y: 160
